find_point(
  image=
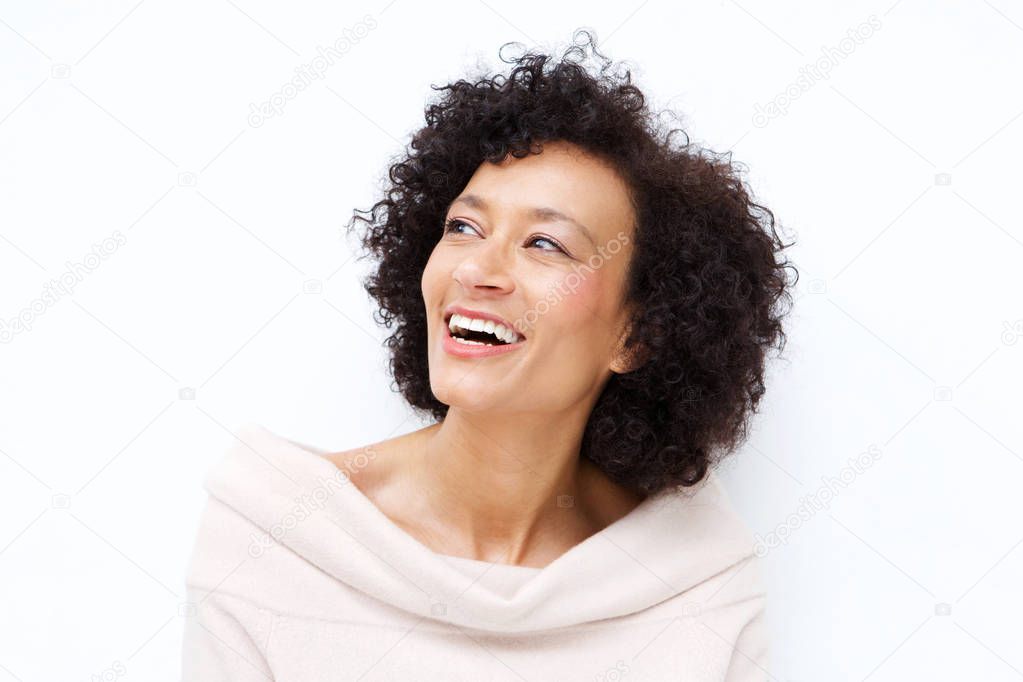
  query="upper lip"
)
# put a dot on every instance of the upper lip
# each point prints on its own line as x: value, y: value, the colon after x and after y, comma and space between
x: 479, y: 315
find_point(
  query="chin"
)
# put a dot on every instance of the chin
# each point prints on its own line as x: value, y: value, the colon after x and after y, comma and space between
x: 455, y: 394
x: 466, y: 396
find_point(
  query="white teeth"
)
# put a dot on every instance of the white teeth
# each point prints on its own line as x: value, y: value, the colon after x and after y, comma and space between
x: 499, y: 330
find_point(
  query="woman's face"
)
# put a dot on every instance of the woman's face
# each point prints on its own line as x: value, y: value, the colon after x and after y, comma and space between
x: 559, y: 281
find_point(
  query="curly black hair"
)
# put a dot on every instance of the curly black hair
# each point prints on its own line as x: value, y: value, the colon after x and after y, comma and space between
x: 705, y: 276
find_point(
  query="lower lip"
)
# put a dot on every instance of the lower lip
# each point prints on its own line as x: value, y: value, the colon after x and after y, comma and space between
x: 464, y: 350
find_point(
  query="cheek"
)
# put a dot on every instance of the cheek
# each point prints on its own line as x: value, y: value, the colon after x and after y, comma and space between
x: 433, y: 276
x: 576, y: 298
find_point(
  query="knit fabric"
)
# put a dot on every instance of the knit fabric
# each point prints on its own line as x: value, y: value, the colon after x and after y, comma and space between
x: 297, y: 576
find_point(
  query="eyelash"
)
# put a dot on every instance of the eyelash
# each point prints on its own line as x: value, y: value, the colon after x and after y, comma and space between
x: 452, y: 222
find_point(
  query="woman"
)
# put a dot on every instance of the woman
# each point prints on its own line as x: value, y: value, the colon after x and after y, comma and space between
x: 584, y: 307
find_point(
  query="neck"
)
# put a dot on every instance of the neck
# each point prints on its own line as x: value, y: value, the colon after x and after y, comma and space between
x: 504, y: 487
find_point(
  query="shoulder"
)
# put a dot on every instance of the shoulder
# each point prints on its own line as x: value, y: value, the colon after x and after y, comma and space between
x: 224, y: 539
x: 376, y: 468
x: 362, y: 462
x: 368, y: 467
x: 251, y: 486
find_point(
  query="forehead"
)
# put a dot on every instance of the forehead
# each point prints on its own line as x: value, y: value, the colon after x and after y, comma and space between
x: 563, y: 177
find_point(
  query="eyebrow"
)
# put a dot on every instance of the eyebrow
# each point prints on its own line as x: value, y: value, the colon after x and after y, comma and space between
x: 545, y: 213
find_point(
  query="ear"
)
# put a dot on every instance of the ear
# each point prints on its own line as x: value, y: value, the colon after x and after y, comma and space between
x: 625, y: 361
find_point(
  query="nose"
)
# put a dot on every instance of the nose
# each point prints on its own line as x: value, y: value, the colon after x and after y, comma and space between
x: 487, y: 267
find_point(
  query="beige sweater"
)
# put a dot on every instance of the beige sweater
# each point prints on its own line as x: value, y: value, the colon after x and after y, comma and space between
x: 297, y: 576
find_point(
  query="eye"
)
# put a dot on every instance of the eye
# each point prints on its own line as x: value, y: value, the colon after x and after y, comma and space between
x: 452, y: 224
x: 557, y: 247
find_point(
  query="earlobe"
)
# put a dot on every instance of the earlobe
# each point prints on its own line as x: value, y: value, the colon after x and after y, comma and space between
x: 625, y: 361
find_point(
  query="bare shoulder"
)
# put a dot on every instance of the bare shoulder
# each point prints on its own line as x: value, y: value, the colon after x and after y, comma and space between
x: 373, y: 467
x: 362, y: 464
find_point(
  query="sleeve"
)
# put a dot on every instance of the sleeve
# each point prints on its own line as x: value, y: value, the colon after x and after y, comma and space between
x: 225, y: 639
x: 750, y: 654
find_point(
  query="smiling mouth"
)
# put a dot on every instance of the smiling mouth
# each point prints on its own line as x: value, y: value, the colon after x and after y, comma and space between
x: 459, y: 327
x: 474, y: 338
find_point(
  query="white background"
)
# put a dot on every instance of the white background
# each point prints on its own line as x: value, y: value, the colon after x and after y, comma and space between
x: 898, y: 175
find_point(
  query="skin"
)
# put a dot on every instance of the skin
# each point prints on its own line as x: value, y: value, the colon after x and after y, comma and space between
x: 501, y: 479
